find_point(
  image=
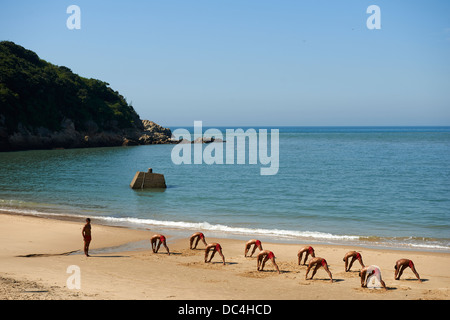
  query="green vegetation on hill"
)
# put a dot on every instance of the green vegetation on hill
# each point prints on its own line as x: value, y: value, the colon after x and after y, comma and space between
x: 38, y: 94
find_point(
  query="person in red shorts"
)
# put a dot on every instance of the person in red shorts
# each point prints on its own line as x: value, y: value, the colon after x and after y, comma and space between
x: 255, y: 243
x: 196, y: 237
x: 162, y: 240
x: 318, y: 262
x: 214, y: 247
x: 262, y: 258
x: 308, y: 251
x: 401, y: 265
x: 86, y: 232
x: 355, y: 256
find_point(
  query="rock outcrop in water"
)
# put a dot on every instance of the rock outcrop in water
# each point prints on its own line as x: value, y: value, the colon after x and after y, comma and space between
x: 43, y: 106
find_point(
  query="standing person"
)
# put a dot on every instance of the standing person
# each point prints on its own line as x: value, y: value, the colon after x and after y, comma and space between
x: 355, y: 256
x: 255, y: 243
x: 196, y: 237
x: 401, y: 265
x: 87, y: 237
x: 368, y: 271
x: 215, y: 247
x: 262, y: 258
x: 162, y: 240
x: 318, y: 262
x: 308, y: 251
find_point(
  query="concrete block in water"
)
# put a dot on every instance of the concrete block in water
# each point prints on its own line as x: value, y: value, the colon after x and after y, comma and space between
x: 145, y: 180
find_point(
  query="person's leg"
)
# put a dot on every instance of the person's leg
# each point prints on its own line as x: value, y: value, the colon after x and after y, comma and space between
x: 329, y: 272
x: 86, y: 247
x: 413, y: 269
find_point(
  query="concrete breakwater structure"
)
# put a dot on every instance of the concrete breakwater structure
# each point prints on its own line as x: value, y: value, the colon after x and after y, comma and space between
x: 146, y: 180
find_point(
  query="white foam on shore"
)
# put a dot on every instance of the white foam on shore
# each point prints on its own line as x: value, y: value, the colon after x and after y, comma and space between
x: 277, y: 234
x: 201, y: 226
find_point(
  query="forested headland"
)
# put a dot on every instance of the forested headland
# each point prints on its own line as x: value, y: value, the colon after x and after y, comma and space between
x: 44, y: 106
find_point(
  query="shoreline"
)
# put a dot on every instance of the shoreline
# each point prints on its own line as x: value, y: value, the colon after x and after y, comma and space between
x: 37, y: 252
x: 182, y: 227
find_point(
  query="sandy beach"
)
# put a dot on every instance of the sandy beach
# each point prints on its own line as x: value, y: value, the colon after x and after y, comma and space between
x: 37, y: 253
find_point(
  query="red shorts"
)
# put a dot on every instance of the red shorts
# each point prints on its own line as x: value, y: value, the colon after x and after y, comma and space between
x: 324, y: 263
x: 87, y: 238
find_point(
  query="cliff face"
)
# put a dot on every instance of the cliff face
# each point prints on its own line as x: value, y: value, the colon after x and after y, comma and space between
x: 43, y: 106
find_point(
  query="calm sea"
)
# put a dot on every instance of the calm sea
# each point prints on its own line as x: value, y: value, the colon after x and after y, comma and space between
x: 370, y: 186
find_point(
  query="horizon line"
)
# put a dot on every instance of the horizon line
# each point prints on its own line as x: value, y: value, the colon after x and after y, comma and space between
x: 322, y: 126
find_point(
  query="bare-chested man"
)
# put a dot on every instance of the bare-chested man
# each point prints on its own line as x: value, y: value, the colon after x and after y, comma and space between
x: 308, y: 251
x: 401, y: 265
x: 156, y: 244
x: 318, y: 262
x: 262, y: 258
x: 255, y: 243
x: 196, y: 237
x: 215, y: 247
x: 86, y: 232
x: 355, y: 256
x: 368, y: 271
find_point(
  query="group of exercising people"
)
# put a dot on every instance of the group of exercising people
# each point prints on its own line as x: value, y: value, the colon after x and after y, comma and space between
x: 308, y: 251
x: 266, y: 255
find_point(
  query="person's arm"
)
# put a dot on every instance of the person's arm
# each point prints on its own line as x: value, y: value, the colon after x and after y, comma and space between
x: 206, y: 253
x: 307, y: 271
x: 363, y: 278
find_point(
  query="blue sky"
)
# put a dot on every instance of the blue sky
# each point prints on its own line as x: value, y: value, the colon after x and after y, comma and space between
x: 252, y: 62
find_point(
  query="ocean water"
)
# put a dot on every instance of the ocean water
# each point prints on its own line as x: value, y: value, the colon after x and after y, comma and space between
x: 370, y: 186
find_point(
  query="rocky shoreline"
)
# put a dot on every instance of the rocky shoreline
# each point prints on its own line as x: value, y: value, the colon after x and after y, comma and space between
x: 69, y: 137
